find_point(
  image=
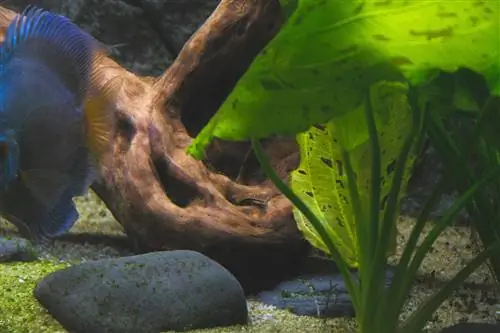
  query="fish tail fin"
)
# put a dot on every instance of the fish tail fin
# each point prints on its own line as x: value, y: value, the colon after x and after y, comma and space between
x: 99, y: 116
x: 56, y: 42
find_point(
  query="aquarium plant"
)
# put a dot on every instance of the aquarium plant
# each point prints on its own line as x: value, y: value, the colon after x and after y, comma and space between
x: 354, y: 81
x: 464, y: 130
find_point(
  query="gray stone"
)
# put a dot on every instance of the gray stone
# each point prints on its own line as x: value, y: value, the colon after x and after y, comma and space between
x: 317, y: 295
x: 150, y: 293
x: 16, y: 249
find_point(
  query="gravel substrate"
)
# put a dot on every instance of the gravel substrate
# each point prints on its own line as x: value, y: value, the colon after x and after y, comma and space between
x: 97, y: 235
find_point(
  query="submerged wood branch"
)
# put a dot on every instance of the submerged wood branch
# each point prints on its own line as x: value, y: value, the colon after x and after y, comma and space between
x: 164, y: 198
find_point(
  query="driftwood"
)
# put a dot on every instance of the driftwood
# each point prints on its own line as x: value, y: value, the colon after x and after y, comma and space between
x: 164, y: 198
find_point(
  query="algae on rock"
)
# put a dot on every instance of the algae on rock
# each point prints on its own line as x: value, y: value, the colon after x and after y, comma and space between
x: 19, y: 310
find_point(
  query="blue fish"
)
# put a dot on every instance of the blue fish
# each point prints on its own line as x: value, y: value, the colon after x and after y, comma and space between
x: 53, y: 130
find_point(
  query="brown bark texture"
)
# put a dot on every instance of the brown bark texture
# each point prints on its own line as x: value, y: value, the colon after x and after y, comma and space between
x: 165, y: 199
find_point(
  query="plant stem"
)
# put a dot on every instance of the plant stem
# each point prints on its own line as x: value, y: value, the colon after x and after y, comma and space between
x: 297, y: 202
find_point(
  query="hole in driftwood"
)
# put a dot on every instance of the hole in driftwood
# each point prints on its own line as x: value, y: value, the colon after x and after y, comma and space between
x: 181, y: 193
x: 125, y: 128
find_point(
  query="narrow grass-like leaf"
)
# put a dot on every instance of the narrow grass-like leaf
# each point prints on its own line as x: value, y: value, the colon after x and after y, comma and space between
x: 296, y: 201
x: 438, y: 129
x: 321, y: 181
x: 358, y: 218
x: 374, y: 207
x: 465, y: 138
x: 417, y: 320
x: 376, y: 277
x: 399, y: 290
x: 396, y: 293
x: 390, y: 218
x: 370, y: 273
x: 451, y: 213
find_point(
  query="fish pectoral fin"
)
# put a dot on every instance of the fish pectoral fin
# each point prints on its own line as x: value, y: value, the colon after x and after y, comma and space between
x: 46, y: 186
x: 59, y: 220
x: 84, y: 172
x: 35, y: 220
x: 99, y: 116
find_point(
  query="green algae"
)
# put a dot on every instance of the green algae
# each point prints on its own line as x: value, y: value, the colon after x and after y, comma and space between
x: 21, y: 313
x: 19, y: 310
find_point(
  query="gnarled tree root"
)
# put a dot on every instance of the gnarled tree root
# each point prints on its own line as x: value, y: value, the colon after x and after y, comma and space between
x: 164, y: 198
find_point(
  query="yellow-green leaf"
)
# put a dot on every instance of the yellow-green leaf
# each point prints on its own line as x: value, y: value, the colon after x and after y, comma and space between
x: 320, y: 180
x: 329, y: 52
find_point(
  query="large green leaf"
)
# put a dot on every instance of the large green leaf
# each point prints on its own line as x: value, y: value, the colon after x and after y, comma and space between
x: 330, y: 51
x: 320, y: 180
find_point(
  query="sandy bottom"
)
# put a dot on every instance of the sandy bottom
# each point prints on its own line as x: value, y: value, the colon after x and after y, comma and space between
x: 98, y: 235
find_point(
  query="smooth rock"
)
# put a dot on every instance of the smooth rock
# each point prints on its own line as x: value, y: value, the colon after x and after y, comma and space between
x: 472, y: 328
x: 317, y: 295
x: 16, y: 249
x: 149, y: 293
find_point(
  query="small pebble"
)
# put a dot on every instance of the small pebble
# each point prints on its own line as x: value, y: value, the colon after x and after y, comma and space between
x: 16, y: 249
x: 316, y: 296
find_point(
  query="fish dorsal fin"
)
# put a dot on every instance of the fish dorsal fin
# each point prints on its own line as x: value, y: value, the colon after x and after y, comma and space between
x: 99, y: 116
x: 46, y: 186
x: 54, y: 41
